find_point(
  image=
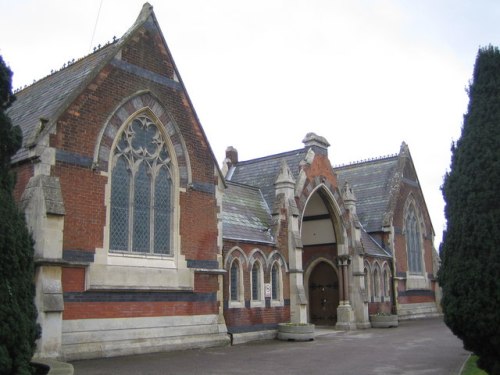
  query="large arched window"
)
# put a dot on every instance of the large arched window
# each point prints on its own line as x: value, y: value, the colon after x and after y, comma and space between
x: 413, y: 242
x: 141, y: 191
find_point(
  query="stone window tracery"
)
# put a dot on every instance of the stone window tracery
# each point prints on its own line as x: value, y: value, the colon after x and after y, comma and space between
x: 141, y: 191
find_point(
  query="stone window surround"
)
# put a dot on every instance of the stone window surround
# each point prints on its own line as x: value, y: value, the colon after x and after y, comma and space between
x: 168, y: 261
x: 150, y: 271
x: 411, y: 209
x: 239, y: 302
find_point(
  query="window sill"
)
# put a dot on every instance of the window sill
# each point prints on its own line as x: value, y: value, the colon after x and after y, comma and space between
x: 140, y: 255
x: 416, y: 281
x: 257, y: 304
x: 141, y: 260
x: 236, y: 304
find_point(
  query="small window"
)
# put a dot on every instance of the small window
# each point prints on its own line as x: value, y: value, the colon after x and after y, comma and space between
x: 387, y: 284
x: 368, y: 285
x: 276, y: 285
x: 256, y: 286
x: 275, y: 282
x: 376, y: 283
x: 235, y: 281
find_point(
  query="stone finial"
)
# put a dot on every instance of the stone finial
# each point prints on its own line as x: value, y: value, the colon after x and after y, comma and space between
x: 146, y: 11
x: 285, y: 183
x: 404, y: 150
x: 347, y: 193
x: 309, y: 158
x: 349, y: 197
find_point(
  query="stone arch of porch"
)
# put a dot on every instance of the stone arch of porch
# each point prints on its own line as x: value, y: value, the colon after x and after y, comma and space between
x: 332, y: 200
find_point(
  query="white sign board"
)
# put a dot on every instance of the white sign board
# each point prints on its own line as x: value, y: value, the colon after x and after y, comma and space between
x: 267, y: 290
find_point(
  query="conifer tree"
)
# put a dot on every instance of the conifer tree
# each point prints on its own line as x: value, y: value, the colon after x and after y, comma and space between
x: 18, y: 329
x: 470, y: 252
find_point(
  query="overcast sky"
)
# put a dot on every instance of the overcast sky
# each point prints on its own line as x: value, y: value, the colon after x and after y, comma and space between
x: 365, y: 74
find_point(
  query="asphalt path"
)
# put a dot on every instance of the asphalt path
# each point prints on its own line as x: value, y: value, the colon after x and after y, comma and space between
x: 416, y: 347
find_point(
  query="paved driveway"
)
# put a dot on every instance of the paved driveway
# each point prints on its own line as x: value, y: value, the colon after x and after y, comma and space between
x: 418, y: 347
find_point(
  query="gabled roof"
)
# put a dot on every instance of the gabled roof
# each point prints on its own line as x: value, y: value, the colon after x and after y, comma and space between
x: 49, y: 97
x: 262, y: 172
x: 245, y: 214
x: 371, y: 182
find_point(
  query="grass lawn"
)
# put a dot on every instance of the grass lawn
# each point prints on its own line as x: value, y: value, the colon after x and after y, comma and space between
x: 471, y: 368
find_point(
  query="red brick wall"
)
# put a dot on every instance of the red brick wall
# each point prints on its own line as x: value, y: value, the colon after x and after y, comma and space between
x: 311, y: 253
x: 198, y: 225
x: 73, y: 279
x: 23, y: 173
x: 416, y: 299
x: 103, y: 310
x: 138, y: 52
x: 321, y: 167
x: 83, y: 196
x: 236, y: 317
x: 206, y: 283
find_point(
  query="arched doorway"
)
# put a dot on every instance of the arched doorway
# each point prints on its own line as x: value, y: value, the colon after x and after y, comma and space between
x: 323, y: 294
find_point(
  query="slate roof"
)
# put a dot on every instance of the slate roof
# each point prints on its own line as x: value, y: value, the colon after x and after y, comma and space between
x: 370, y: 180
x: 44, y: 98
x: 245, y: 214
x: 371, y: 184
x: 262, y: 172
x: 371, y: 246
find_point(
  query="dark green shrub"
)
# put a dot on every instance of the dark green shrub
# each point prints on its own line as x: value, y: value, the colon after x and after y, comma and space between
x: 18, y: 328
x: 470, y: 252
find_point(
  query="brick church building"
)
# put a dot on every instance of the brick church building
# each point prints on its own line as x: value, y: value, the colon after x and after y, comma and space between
x: 144, y: 243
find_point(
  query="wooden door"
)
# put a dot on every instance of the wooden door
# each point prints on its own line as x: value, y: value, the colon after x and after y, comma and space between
x: 323, y: 295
